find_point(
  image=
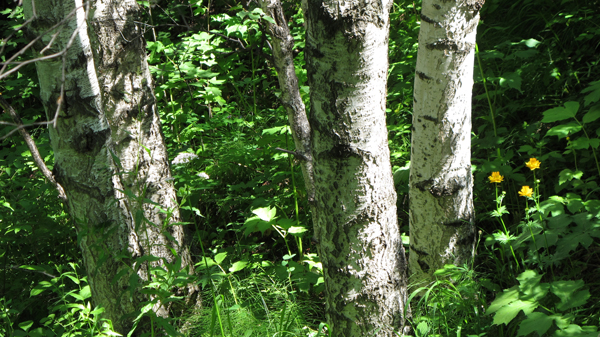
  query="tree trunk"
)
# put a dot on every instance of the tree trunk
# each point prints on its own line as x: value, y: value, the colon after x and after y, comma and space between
x: 109, y: 151
x: 441, y: 199
x: 354, y: 211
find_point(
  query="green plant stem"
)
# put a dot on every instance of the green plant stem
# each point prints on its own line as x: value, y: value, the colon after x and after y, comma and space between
x: 487, y: 94
x: 498, y: 206
x: 298, y: 239
x: 213, y: 288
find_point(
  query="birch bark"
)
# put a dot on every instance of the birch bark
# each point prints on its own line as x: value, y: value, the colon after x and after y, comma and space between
x: 354, y: 211
x: 441, y: 201
x: 109, y: 151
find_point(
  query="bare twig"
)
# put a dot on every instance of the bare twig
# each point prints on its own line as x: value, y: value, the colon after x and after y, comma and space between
x: 35, y: 153
x: 33, y: 271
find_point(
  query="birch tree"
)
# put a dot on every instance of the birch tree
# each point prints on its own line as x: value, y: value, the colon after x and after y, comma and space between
x: 353, y: 198
x: 109, y: 152
x: 441, y: 197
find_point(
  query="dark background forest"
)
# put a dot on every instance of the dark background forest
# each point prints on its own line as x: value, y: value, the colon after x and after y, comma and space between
x: 536, y: 95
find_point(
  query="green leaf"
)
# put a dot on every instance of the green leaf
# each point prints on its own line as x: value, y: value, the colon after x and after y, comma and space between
x: 511, y: 80
x: 591, y: 115
x: 265, y: 213
x: 220, y: 257
x: 568, y: 175
x: 564, y: 130
x: 85, y: 292
x: 25, y: 325
x: 237, y: 266
x: 561, y: 113
x: 507, y: 296
x: 40, y: 287
x: 594, y: 93
x: 536, y: 321
x: 531, y: 43
x: 297, y: 230
x: 508, y: 312
x: 286, y: 223
x: 569, y: 294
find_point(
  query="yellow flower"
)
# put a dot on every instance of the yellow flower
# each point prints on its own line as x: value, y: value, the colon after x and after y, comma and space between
x: 496, y: 177
x: 533, y: 164
x: 526, y: 191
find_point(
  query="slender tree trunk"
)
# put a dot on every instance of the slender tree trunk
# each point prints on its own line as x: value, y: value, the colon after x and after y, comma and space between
x: 354, y: 211
x: 441, y: 198
x: 110, y: 156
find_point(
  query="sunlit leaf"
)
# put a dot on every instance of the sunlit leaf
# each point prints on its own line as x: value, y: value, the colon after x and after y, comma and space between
x: 536, y: 321
x: 569, y: 110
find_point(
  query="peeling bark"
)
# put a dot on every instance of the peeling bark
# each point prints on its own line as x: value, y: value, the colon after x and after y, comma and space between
x: 109, y: 151
x: 441, y: 201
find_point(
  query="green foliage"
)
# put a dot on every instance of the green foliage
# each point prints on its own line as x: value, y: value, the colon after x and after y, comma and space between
x: 536, y: 94
x: 70, y: 310
x: 541, y: 310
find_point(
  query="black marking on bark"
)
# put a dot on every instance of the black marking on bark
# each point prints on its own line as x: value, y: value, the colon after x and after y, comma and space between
x: 429, y: 20
x: 88, y: 140
x: 476, y: 6
x: 469, y: 239
x: 422, y: 76
x: 456, y: 223
x: 444, y: 44
x: 443, y: 190
x: 431, y: 119
x: 422, y: 185
x: 341, y: 151
x: 436, y: 6
x: 424, y: 266
x: 419, y: 252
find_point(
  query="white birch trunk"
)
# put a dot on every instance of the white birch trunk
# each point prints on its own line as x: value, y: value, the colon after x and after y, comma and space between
x: 109, y: 150
x: 354, y: 211
x: 441, y: 201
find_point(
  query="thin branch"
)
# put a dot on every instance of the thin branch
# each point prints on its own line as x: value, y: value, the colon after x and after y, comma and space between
x: 35, y: 153
x: 296, y: 154
x: 33, y: 271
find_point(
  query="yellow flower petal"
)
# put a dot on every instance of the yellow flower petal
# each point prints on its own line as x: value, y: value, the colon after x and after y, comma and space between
x: 526, y: 191
x: 533, y: 164
x: 495, y: 177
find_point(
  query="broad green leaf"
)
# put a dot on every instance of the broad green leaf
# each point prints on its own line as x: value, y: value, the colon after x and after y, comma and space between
x: 580, y: 143
x: 511, y: 80
x: 85, y: 292
x: 220, y: 257
x: 25, y: 325
x: 297, y: 230
x: 286, y: 223
x: 569, y: 110
x: 591, y: 115
x: 237, y: 266
x: 530, y: 285
x: 265, y: 213
x: 38, y: 332
x: 574, y: 330
x: 536, y: 321
x: 569, y: 293
x: 594, y: 93
x: 40, y: 287
x: 206, y: 261
x: 568, y: 175
x: 564, y: 130
x: 507, y: 296
x: 508, y: 312
x: 531, y: 43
